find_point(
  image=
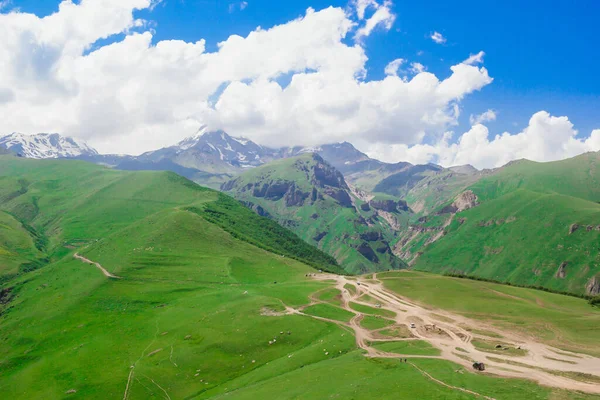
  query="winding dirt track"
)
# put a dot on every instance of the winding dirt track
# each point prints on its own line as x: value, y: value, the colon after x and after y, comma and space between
x: 97, y: 265
x: 446, y: 331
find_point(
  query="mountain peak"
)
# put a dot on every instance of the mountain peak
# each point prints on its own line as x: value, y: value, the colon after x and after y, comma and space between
x: 45, y: 145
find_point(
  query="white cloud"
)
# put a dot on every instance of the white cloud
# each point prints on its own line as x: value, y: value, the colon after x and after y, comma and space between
x: 393, y: 66
x: 546, y: 138
x: 237, y: 6
x: 489, y: 115
x: 438, y: 38
x: 382, y: 16
x: 475, y: 59
x: 417, y: 68
x: 134, y: 95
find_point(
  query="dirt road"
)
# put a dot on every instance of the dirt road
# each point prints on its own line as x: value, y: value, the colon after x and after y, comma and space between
x: 97, y: 265
x: 450, y: 332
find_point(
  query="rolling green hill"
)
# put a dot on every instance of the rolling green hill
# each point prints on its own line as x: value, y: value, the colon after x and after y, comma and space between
x: 536, y: 224
x: 310, y: 197
x: 196, y: 307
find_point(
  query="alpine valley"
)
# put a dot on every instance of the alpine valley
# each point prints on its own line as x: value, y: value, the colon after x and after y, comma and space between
x: 529, y: 224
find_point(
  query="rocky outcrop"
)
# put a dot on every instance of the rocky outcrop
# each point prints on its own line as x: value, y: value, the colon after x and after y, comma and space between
x: 367, y: 252
x: 325, y: 175
x: 389, y: 205
x: 277, y: 190
x: 573, y: 228
x: 319, y: 236
x: 365, y: 207
x: 371, y: 236
x: 464, y: 201
x: 340, y: 195
x: 257, y: 209
x: 295, y: 197
x: 592, y: 288
x: 561, y: 273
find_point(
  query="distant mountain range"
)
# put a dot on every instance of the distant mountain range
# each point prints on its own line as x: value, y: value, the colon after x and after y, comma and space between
x: 212, y: 158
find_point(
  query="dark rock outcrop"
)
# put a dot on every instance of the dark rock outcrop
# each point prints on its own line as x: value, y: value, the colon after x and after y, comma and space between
x: 340, y: 195
x: 371, y: 236
x: 277, y: 190
x: 385, y: 205
x: 367, y: 252
x: 365, y: 207
x: 573, y: 228
x: 295, y: 197
x: 319, y: 236
x: 257, y: 209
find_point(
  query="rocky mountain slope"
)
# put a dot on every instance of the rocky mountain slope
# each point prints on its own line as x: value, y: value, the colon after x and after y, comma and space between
x: 527, y: 223
x: 310, y: 197
x: 45, y: 145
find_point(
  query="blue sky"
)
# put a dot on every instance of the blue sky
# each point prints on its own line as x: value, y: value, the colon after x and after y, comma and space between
x: 541, y: 56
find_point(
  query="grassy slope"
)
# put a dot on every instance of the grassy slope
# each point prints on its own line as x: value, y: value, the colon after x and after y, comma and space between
x: 17, y: 247
x: 186, y: 313
x: 543, y: 200
x: 340, y: 223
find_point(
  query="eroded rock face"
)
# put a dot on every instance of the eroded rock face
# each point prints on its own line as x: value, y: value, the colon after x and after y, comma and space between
x: 371, y: 236
x: 295, y: 197
x: 573, y: 228
x: 367, y: 252
x: 340, y: 195
x: 277, y: 190
x: 593, y: 286
x: 465, y: 200
x: 561, y: 273
x: 257, y: 209
x: 326, y: 175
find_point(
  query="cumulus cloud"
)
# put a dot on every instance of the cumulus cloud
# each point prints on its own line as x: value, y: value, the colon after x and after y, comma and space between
x: 417, y: 68
x: 489, y: 115
x: 546, y: 138
x: 133, y: 95
x: 382, y: 16
x: 438, y: 38
x: 393, y: 66
x: 475, y: 59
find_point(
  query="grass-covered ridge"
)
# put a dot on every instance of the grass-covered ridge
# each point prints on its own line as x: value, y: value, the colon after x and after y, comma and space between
x: 537, y: 224
x: 242, y: 224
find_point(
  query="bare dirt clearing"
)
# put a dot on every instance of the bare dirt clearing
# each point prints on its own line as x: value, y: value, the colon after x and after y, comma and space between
x: 447, y: 331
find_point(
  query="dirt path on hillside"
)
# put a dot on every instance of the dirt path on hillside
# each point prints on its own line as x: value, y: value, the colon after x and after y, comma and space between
x: 447, y: 332
x: 97, y: 265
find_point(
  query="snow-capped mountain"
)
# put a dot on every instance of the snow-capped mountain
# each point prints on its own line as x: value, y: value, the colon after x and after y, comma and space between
x: 45, y: 145
x: 214, y: 152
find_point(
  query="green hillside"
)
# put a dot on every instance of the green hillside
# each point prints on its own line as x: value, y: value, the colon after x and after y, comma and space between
x: 308, y: 196
x: 537, y: 224
x: 197, y: 306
